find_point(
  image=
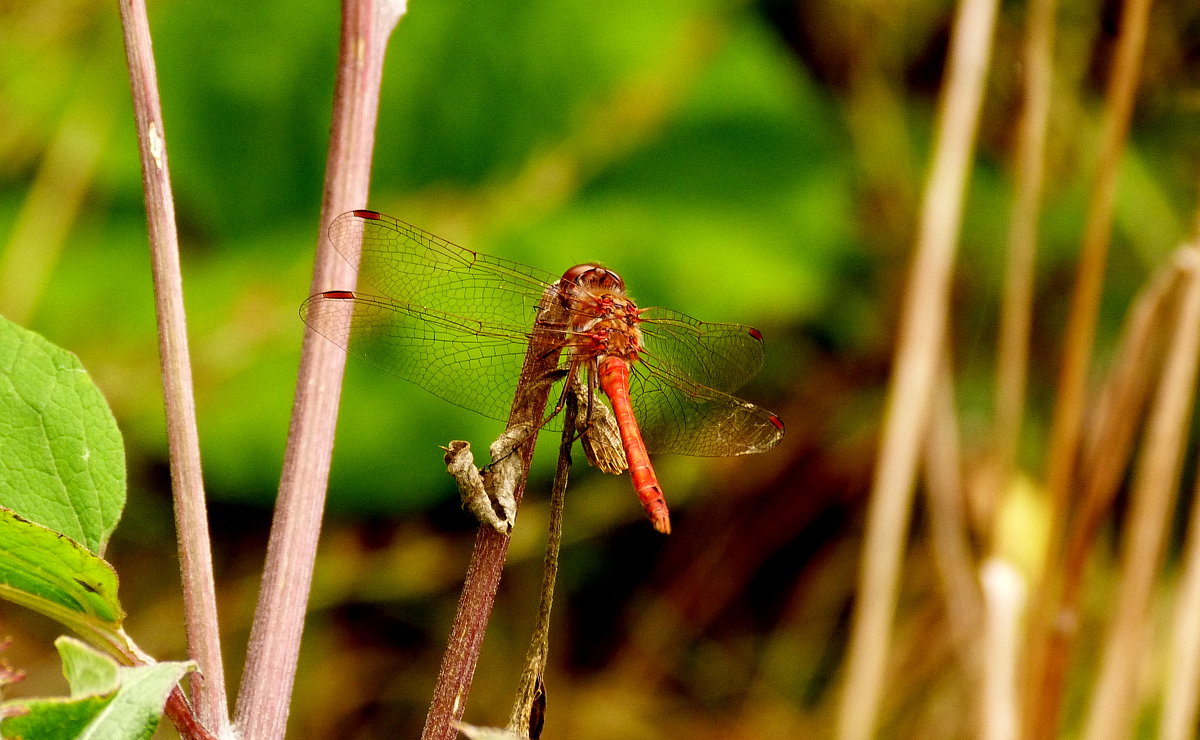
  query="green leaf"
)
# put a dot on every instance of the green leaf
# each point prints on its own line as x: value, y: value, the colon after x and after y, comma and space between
x: 51, y: 719
x: 108, y: 702
x: 88, y: 672
x: 63, y: 464
x: 51, y: 574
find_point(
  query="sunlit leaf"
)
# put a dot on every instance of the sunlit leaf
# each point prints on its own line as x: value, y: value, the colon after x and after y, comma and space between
x: 51, y: 574
x: 108, y: 702
x: 63, y: 464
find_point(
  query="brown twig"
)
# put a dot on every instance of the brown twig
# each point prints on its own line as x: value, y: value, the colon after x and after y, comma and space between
x: 491, y: 548
x: 1004, y: 598
x: 922, y: 324
x: 265, y: 693
x: 948, y: 521
x: 1155, y: 486
x: 1182, y: 692
x: 539, y: 642
x: 1043, y: 705
x: 1107, y: 449
x: 1182, y: 698
x: 195, y: 554
x: 1183, y: 675
x: 1016, y: 310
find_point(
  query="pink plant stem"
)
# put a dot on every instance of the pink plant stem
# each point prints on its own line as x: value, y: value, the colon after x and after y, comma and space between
x: 195, y: 554
x: 265, y: 695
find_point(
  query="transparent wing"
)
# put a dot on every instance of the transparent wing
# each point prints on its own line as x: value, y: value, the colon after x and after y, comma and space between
x: 723, y: 357
x: 677, y: 415
x: 407, y: 264
x: 461, y: 360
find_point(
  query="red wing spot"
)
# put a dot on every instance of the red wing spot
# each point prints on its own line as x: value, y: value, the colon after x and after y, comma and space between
x: 372, y: 215
x: 340, y: 295
x: 756, y: 334
x: 777, y: 422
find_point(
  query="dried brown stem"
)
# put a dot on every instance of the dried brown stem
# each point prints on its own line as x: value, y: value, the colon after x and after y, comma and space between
x: 1107, y: 450
x: 1155, y: 486
x: 1182, y: 691
x: 539, y: 642
x: 491, y: 548
x: 1017, y: 307
x: 948, y: 522
x: 1085, y: 300
x: 922, y: 324
x: 1179, y: 712
x: 1004, y: 599
x: 1042, y: 717
x: 265, y: 693
x: 195, y: 554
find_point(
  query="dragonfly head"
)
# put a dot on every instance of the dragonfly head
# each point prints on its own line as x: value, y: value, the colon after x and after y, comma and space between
x: 594, y: 277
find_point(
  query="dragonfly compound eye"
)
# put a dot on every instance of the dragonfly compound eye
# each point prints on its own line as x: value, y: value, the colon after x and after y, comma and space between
x: 594, y: 277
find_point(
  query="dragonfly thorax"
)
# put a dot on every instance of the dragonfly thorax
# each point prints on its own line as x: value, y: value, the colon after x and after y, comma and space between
x: 607, y: 324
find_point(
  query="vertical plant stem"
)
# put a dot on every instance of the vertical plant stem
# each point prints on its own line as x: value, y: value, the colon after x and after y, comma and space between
x: 1179, y: 712
x: 491, y: 548
x: 1017, y: 307
x: 195, y: 554
x: 539, y: 642
x: 186, y: 723
x: 1180, y: 704
x: 948, y: 521
x: 1153, y: 496
x: 1120, y: 410
x: 1081, y: 329
x: 266, y: 689
x: 1085, y: 300
x: 1004, y: 596
x: 1105, y: 459
x: 922, y: 325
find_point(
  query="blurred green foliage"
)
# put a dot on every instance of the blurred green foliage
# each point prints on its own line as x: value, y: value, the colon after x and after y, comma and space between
x: 679, y: 143
x: 751, y: 162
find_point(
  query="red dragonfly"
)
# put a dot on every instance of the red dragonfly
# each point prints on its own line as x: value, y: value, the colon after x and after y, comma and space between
x: 457, y: 322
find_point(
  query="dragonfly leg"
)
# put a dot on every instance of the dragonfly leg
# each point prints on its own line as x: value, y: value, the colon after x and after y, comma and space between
x: 597, y: 430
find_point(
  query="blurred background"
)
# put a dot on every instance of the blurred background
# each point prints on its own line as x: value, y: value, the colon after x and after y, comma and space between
x: 756, y: 162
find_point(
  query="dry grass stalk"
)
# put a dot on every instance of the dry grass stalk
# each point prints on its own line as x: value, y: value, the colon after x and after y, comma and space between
x: 1108, y: 449
x: 1004, y: 597
x: 1180, y: 704
x: 1043, y: 706
x: 918, y: 347
x: 1179, y: 712
x: 948, y: 523
x: 1154, y: 490
x: 526, y: 716
x: 1016, y: 310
